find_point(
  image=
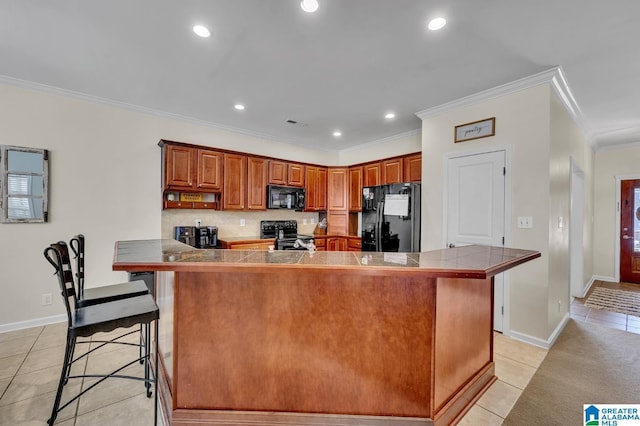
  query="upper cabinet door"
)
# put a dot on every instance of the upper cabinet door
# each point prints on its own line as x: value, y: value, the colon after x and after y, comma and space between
x: 235, y: 180
x: 321, y: 194
x: 391, y: 171
x: 355, y: 188
x: 179, y: 166
x: 413, y: 168
x: 209, y: 170
x: 277, y: 172
x: 337, y: 188
x: 371, y: 175
x: 295, y: 175
x: 256, y: 183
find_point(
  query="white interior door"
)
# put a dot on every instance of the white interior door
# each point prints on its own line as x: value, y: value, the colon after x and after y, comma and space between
x: 475, y: 201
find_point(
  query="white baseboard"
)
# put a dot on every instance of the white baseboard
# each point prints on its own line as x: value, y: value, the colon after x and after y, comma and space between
x: 545, y: 344
x: 4, y: 328
x: 603, y: 278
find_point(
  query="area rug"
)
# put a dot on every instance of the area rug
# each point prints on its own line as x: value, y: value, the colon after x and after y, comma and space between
x: 609, y: 299
x: 588, y: 364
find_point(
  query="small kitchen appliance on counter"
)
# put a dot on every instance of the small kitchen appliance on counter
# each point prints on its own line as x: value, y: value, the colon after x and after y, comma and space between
x: 203, y: 237
x: 286, y: 234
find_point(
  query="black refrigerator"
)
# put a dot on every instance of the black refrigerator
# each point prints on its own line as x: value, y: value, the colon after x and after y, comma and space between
x: 391, y: 218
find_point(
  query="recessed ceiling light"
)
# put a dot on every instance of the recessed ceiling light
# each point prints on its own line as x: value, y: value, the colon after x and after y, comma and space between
x: 437, y: 23
x: 389, y: 115
x: 201, y: 30
x: 309, y: 6
x: 337, y: 133
x: 239, y: 107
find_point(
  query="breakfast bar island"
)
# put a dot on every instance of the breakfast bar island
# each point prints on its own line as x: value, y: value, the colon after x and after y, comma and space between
x: 321, y: 338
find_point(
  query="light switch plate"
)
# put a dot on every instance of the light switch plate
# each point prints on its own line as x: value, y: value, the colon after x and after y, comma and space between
x: 525, y: 222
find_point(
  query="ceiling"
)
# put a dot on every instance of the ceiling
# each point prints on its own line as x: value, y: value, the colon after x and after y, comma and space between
x: 342, y: 67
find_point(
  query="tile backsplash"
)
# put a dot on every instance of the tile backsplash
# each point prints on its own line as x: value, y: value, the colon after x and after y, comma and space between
x: 228, y: 222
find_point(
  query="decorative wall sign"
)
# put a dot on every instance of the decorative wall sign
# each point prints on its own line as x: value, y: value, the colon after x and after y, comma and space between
x: 475, y: 130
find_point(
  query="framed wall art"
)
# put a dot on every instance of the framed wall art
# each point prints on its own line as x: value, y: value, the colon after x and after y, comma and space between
x: 475, y: 130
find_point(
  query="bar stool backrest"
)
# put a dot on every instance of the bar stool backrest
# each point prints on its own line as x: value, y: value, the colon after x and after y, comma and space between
x: 77, y: 246
x: 57, y: 255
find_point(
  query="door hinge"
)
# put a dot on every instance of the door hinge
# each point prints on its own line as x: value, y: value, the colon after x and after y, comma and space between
x: 502, y: 309
x: 504, y: 171
x: 502, y: 240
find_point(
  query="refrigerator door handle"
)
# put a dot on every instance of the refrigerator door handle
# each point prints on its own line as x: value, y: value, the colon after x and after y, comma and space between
x: 379, y: 226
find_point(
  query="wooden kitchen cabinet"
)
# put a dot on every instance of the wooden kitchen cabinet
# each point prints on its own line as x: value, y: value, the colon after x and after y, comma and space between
x: 192, y: 169
x: 208, y: 170
x: 179, y: 165
x: 413, y: 168
x: 354, y: 244
x: 316, y: 188
x: 249, y: 245
x: 295, y: 175
x: 337, y: 222
x: 256, y: 183
x: 355, y: 189
x: 391, y: 171
x: 235, y: 175
x: 337, y: 189
x: 371, y: 174
x: 336, y: 244
x: 277, y: 172
x: 320, y: 242
x: 286, y: 173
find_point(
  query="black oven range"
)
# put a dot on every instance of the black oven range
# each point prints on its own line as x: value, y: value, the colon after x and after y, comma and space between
x: 286, y: 235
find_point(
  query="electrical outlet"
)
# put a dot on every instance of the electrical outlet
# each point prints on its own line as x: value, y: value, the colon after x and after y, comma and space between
x: 304, y: 221
x: 313, y: 221
x: 559, y: 305
x: 46, y: 299
x: 242, y: 222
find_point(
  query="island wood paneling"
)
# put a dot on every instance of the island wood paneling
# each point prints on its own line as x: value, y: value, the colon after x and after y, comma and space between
x: 323, y: 342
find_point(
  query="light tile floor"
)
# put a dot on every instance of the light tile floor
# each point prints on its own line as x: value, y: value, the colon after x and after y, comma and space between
x: 30, y: 362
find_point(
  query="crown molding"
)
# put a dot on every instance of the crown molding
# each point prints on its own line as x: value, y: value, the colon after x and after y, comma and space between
x: 554, y: 77
x: 383, y: 140
x: 11, y: 81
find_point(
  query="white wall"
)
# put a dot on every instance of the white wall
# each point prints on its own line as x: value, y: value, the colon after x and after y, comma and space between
x: 540, y: 137
x: 623, y: 161
x: 406, y: 143
x: 104, y: 182
x: 566, y: 142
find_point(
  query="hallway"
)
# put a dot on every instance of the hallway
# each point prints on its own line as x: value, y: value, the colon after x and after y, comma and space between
x: 616, y: 320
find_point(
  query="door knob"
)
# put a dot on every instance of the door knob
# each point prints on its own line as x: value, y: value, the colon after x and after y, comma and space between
x: 626, y: 237
x: 451, y: 245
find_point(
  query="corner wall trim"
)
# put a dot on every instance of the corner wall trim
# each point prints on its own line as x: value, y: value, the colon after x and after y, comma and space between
x: 14, y: 326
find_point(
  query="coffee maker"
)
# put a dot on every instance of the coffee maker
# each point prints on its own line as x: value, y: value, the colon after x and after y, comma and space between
x: 204, y: 237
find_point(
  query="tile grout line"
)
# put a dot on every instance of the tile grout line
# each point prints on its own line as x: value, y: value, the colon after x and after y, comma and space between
x: 21, y: 364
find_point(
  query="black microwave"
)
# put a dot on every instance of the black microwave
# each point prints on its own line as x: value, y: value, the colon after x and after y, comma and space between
x: 285, y: 197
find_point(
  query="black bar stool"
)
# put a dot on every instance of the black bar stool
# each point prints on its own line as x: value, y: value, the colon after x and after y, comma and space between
x: 107, y: 293
x: 85, y: 321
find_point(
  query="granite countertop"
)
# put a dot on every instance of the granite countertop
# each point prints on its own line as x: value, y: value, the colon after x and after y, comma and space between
x: 171, y: 255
